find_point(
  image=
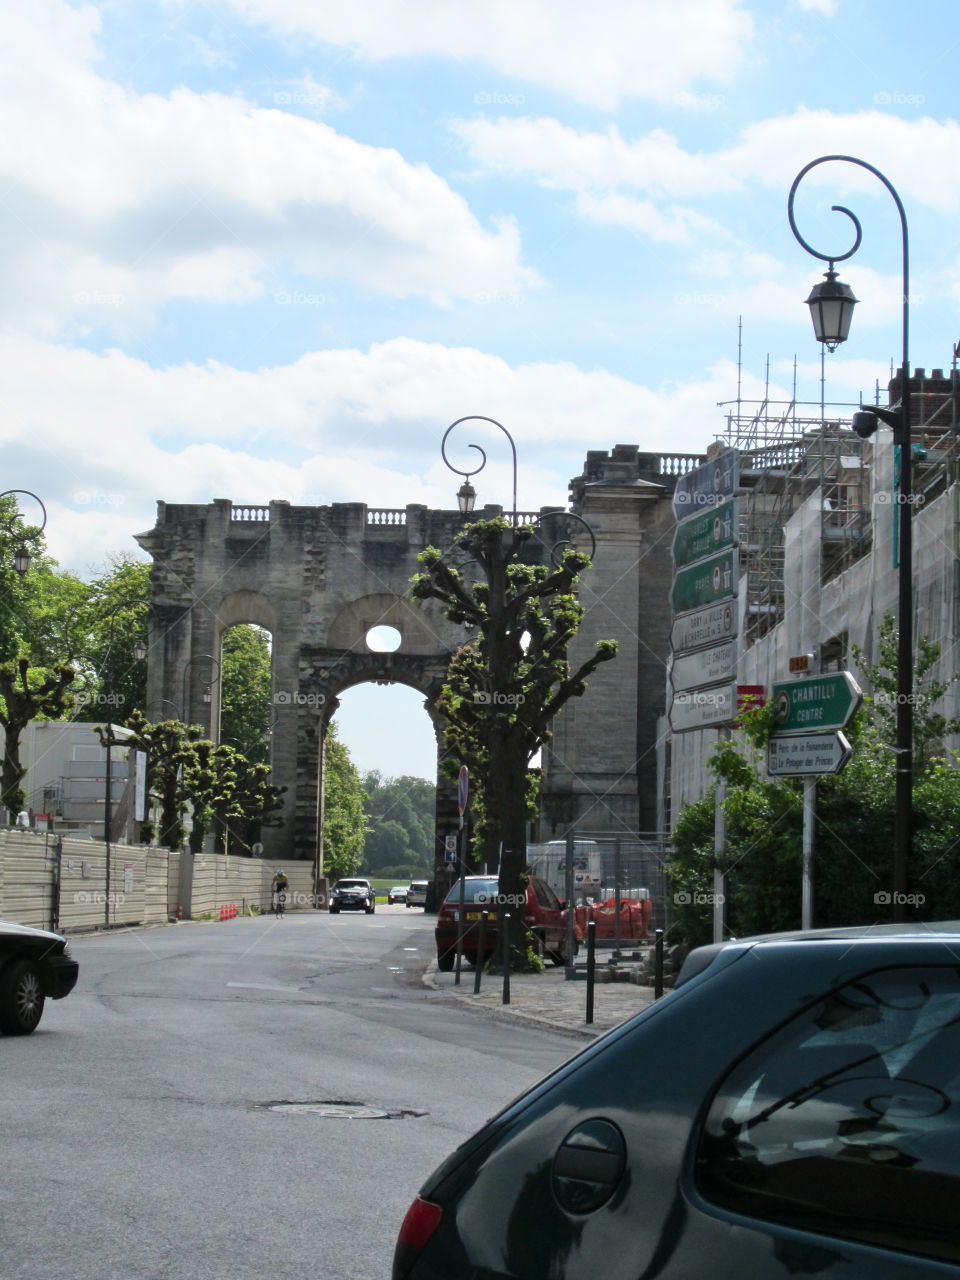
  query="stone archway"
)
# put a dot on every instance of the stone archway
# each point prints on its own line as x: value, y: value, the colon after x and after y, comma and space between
x: 317, y: 578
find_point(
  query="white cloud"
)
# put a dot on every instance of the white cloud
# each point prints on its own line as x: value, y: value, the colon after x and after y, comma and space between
x: 600, y: 53
x: 770, y: 152
x: 102, y: 437
x: 148, y: 198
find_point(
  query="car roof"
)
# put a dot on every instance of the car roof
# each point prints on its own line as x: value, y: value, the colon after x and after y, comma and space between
x: 26, y: 930
x: 702, y: 958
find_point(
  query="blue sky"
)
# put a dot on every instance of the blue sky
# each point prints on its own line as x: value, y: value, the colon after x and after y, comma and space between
x: 271, y: 248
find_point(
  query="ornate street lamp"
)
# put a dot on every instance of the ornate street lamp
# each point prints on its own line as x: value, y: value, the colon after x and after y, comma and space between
x: 22, y: 557
x: 466, y: 494
x: 831, y: 313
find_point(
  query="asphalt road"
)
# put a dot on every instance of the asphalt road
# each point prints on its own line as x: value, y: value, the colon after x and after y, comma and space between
x: 136, y: 1132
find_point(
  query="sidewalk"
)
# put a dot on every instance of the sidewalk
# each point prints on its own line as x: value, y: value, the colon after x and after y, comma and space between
x: 547, y: 999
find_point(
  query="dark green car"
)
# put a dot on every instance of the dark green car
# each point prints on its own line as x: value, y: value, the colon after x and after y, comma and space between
x: 792, y: 1108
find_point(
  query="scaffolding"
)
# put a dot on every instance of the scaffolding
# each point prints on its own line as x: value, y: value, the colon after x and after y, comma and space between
x: 790, y: 450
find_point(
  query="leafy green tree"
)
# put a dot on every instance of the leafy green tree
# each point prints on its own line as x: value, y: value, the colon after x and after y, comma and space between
x: 400, y: 822
x: 26, y: 693
x: 245, y: 690
x: 854, y: 820
x: 169, y: 748
x: 344, y: 824
x: 504, y: 687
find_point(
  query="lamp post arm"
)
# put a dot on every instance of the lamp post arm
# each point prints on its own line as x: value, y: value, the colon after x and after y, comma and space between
x: 478, y: 417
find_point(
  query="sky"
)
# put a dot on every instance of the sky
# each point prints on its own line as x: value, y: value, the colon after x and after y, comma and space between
x: 263, y: 249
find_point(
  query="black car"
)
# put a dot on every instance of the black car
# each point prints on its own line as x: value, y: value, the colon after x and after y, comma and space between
x: 792, y: 1108
x: 34, y: 964
x: 353, y: 895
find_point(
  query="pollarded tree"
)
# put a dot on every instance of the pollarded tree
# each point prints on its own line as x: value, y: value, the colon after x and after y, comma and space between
x: 26, y: 693
x: 505, y: 685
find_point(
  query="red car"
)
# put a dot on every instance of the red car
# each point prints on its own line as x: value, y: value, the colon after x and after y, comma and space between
x: 543, y: 913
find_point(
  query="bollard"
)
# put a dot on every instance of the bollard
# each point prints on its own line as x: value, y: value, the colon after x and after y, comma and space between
x: 591, y: 966
x: 480, y: 953
x: 657, y: 963
x: 505, y: 928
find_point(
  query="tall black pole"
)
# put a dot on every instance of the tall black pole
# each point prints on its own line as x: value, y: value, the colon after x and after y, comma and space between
x: 901, y: 421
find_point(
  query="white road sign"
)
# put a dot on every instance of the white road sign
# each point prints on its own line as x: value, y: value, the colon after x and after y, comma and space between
x: 806, y: 754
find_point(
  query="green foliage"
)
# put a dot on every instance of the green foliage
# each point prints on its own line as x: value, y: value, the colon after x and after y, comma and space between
x: 113, y: 681
x: 854, y: 821
x: 245, y: 686
x: 400, y: 815
x: 26, y: 693
x: 344, y: 825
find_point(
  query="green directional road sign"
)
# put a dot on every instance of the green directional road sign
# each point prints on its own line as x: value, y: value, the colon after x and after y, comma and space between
x: 704, y: 583
x: 823, y: 702
x: 705, y: 534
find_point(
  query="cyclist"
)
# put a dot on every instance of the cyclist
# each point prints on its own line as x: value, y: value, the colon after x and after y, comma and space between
x: 279, y: 891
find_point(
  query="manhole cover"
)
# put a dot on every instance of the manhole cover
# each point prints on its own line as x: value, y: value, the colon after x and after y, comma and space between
x: 333, y: 1110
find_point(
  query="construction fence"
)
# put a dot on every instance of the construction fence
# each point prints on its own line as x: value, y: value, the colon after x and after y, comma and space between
x: 49, y: 881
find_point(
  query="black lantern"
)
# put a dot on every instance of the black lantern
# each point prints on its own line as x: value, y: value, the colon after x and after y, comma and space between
x: 466, y: 498
x: 21, y: 561
x: 831, y: 309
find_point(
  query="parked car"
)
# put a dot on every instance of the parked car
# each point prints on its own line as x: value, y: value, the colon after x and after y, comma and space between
x: 397, y: 894
x: 542, y: 912
x: 352, y: 895
x: 791, y: 1108
x: 417, y: 893
x: 34, y: 965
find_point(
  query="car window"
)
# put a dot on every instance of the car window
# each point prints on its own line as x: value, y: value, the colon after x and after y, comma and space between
x: 847, y: 1121
x: 474, y: 891
x: 545, y: 895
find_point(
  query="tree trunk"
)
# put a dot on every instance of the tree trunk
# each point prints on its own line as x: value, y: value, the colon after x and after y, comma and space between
x: 507, y: 804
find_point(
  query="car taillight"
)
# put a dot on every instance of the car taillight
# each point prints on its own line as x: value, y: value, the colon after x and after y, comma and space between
x: 423, y: 1218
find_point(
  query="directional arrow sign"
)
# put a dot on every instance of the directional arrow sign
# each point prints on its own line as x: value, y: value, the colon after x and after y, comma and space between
x: 707, y: 485
x: 705, y: 666
x: 825, y: 702
x: 703, y: 708
x: 706, y: 626
x: 705, y: 534
x: 806, y: 754
x: 704, y: 583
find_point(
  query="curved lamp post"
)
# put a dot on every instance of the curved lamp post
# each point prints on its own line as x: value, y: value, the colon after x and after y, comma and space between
x: 565, y: 542
x: 831, y: 306
x: 201, y: 657
x: 466, y: 494
x: 22, y: 557
x: 139, y: 653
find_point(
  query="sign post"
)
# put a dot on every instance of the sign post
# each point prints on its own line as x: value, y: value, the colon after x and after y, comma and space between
x: 463, y: 793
